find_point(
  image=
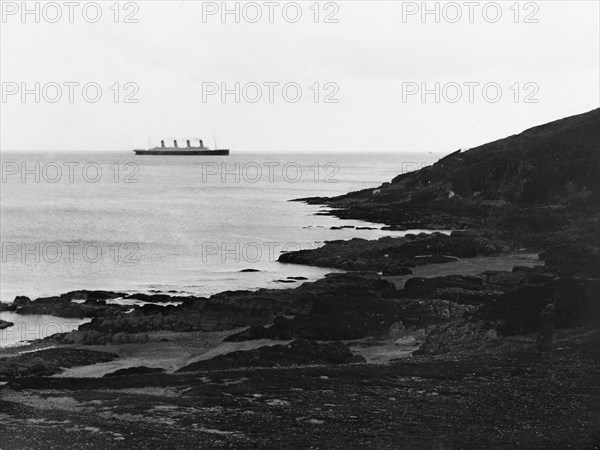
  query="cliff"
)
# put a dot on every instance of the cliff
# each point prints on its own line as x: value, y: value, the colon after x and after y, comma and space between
x: 540, y: 186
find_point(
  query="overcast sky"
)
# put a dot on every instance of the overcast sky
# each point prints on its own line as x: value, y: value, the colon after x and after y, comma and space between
x: 371, y: 57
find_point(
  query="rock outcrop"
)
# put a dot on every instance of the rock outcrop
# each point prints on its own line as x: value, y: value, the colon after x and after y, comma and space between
x: 517, y: 312
x: 345, y: 317
x: 131, y: 371
x: 74, y: 304
x: 5, y: 324
x: 223, y: 311
x: 395, y: 256
x: 49, y: 362
x: 297, y: 352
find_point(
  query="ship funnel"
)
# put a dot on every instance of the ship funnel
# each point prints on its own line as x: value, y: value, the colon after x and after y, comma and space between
x: 188, y: 143
x: 175, y: 143
x: 201, y: 143
x: 162, y: 144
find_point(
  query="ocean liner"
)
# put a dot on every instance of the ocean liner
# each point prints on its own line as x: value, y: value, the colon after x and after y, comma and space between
x: 188, y: 150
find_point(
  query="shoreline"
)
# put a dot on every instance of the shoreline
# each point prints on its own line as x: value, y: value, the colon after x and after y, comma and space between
x: 469, y: 266
x: 341, y: 232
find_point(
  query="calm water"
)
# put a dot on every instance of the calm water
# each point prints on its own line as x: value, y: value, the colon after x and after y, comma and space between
x: 32, y: 327
x: 115, y: 221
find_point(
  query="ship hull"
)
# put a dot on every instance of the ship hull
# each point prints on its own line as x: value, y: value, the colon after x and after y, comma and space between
x: 182, y: 152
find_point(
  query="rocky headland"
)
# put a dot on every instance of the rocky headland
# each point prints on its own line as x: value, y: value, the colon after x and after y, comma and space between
x: 537, y: 188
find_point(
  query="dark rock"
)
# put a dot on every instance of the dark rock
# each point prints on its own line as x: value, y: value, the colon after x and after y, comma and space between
x: 394, y: 228
x: 480, y: 289
x: 455, y: 336
x: 154, y: 298
x: 397, y: 331
x: 21, y: 300
x: 223, y: 311
x: 18, y: 302
x: 466, y: 296
x: 390, y: 271
x: 92, y: 337
x: 386, y: 252
x: 5, y: 324
x: 573, y: 259
x: 130, y: 371
x: 349, y: 317
x: 49, y: 362
x: 518, y: 311
x: 91, y: 296
x: 506, y: 281
x: 94, y: 304
x: 471, y: 282
x: 297, y: 352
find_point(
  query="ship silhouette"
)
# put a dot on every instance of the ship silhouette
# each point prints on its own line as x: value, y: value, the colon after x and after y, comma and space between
x: 201, y: 149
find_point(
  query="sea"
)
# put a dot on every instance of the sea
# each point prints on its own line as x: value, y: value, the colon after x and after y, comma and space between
x: 183, y: 225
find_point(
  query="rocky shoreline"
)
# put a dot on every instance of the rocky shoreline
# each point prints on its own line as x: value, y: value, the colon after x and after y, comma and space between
x: 289, y: 368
